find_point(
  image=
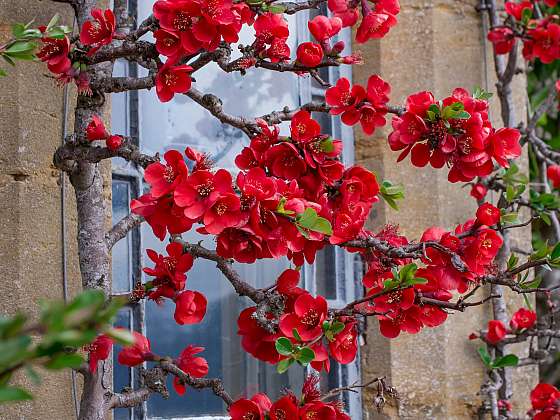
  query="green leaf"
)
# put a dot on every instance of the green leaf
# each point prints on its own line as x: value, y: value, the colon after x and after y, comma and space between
x: 305, y: 356
x: 481, y: 94
x: 296, y: 334
x: 512, y: 261
x: 505, y: 361
x: 276, y: 9
x: 526, y: 15
x: 13, y: 393
x: 62, y: 361
x: 281, y: 210
x: 337, y: 327
x: 485, y: 356
x: 555, y: 252
x: 3, y: 73
x: 533, y: 284
x: 284, y: 346
x: 53, y: 22
x: 32, y: 375
x: 416, y: 280
x: 311, y: 221
x: 509, y: 218
x: 14, y: 349
x: 10, y: 326
x: 121, y: 336
x: 407, y: 272
x: 283, y: 365
x: 20, y: 47
x: 18, y: 29
x: 327, y: 145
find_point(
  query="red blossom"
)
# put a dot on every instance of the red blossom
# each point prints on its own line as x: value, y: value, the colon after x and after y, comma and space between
x: 100, y: 31
x: 172, y: 79
x: 488, y: 215
x: 114, y: 143
x: 195, y: 366
x: 502, y: 38
x: 323, y: 28
x: 496, y: 331
x: 136, y: 353
x: 523, y: 318
x: 200, y: 190
x: 345, y: 345
x: 55, y: 52
x: 374, y: 26
x: 284, y: 409
x: 244, y: 409
x: 478, y: 191
x: 516, y: 9
x: 285, y: 161
x: 164, y: 178
x: 309, y: 54
x: 190, y: 307
x: 99, y: 350
x: 307, y: 317
x: 96, y: 129
x: 544, y: 396
x: 255, y: 339
x: 505, y: 145
x: 553, y: 174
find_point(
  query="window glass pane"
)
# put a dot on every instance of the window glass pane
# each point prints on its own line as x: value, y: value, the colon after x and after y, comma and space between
x: 121, y: 265
x: 325, y: 273
x: 122, y: 374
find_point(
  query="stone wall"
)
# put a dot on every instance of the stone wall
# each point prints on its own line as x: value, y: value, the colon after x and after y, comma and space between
x: 437, y: 46
x: 30, y: 202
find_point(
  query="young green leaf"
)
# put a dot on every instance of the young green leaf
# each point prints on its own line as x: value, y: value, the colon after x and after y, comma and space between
x: 485, y: 356
x: 283, y: 365
x: 505, y: 361
x: 12, y: 393
x: 284, y: 346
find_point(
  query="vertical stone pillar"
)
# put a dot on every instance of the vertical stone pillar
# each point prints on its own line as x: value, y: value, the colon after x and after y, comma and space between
x: 437, y: 46
x: 31, y: 242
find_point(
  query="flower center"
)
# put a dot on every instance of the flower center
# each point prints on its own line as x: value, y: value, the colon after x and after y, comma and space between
x: 170, y: 263
x: 182, y: 21
x: 170, y: 79
x: 311, y: 318
x: 204, y: 190
x: 221, y: 208
x: 169, y: 174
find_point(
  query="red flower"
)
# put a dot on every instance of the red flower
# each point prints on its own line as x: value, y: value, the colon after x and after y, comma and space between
x: 378, y: 91
x: 505, y: 145
x: 551, y: 3
x: 303, y: 128
x: 190, y: 307
x: 164, y: 178
x: 345, y: 101
x: 170, y: 270
x: 99, y: 350
x: 240, y: 244
x: 180, y: 18
x: 516, y: 9
x: 284, y: 161
x: 523, y: 318
x: 256, y: 184
x: 496, y: 331
x: 168, y: 43
x: 317, y: 410
x: 96, y: 129
x: 224, y: 213
x: 55, y: 53
x: 269, y: 26
x: 284, y: 409
x: 370, y: 119
x: 255, y: 339
x: 309, y: 54
x: 100, y: 31
x: 345, y: 345
x: 488, y: 215
x: 502, y: 38
x: 244, y: 409
x: 408, y: 321
x: 307, y: 317
x: 200, y: 190
x: 374, y: 26
x: 544, y: 42
x: 287, y: 281
x: 478, y: 191
x: 171, y: 80
x: 278, y: 51
x: 553, y: 174
x: 544, y: 396
x: 196, y: 367
x: 323, y: 28
x: 136, y: 353
x: 114, y: 143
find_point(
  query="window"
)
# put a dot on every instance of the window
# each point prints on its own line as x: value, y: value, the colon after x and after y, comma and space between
x: 176, y: 125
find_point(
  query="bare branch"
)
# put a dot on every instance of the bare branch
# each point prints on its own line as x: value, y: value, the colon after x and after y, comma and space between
x: 121, y: 229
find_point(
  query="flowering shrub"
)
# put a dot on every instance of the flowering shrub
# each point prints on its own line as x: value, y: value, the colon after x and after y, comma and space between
x: 293, y: 195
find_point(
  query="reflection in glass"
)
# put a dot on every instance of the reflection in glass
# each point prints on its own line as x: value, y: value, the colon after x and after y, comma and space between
x: 122, y: 260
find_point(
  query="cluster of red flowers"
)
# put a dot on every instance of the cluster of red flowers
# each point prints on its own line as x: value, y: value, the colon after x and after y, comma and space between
x: 140, y: 351
x: 355, y: 103
x: 376, y: 22
x: 289, y: 407
x: 169, y: 282
x: 306, y: 322
x: 400, y: 309
x: 96, y: 131
x: 541, y: 37
x: 188, y: 26
x: 522, y: 319
x: 456, y: 132
x: 545, y: 402
x: 291, y: 195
